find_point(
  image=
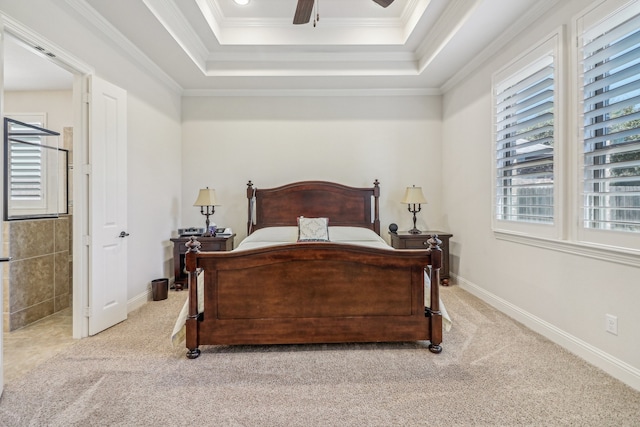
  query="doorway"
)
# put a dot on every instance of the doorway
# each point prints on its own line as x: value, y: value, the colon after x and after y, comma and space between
x: 39, y: 315
x: 99, y: 255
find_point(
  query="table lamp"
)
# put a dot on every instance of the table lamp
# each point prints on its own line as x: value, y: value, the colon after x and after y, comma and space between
x: 207, y: 202
x: 413, y: 197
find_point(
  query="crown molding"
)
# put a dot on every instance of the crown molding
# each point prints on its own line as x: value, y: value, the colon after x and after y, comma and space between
x: 221, y: 64
x: 313, y: 64
x: 122, y: 43
x: 453, y: 17
x: 412, y: 13
x: 494, y: 47
x: 335, y: 31
x: 339, y: 56
x: 310, y: 92
x: 174, y: 21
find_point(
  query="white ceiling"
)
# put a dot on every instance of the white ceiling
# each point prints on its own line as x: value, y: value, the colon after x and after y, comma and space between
x: 29, y: 69
x: 219, y: 47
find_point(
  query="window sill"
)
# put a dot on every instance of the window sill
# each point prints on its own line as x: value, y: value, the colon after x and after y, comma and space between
x: 595, y: 251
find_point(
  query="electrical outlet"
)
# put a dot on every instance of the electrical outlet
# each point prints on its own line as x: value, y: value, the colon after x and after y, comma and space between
x: 611, y: 324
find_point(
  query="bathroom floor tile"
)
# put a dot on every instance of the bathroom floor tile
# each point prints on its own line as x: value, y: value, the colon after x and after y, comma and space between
x: 26, y: 348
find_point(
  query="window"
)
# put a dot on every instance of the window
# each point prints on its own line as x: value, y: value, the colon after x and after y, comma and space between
x: 26, y: 156
x: 581, y: 197
x: 35, y: 171
x: 525, y: 139
x: 611, y: 124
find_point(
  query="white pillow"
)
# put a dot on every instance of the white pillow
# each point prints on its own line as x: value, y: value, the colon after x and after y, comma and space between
x: 274, y: 234
x: 352, y: 234
x: 313, y: 229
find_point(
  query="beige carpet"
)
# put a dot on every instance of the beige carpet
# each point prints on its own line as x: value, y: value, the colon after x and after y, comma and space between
x: 492, y: 372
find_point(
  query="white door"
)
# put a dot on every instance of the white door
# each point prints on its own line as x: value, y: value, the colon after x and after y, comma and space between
x: 107, y: 205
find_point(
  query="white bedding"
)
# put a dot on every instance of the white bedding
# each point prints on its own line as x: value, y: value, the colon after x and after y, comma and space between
x: 285, y: 235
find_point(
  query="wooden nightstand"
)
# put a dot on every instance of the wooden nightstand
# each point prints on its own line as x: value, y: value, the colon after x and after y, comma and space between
x: 405, y: 240
x: 209, y: 244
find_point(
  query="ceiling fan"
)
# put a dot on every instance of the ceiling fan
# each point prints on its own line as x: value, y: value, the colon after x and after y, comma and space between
x: 305, y: 7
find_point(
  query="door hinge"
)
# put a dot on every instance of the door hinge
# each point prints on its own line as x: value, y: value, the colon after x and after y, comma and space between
x: 86, y: 97
x: 86, y: 240
x: 87, y: 312
x: 86, y: 169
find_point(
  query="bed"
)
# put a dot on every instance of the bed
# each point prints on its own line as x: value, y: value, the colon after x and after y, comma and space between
x: 277, y: 288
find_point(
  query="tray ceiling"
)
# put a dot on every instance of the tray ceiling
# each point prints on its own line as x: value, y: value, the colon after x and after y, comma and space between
x: 220, y: 47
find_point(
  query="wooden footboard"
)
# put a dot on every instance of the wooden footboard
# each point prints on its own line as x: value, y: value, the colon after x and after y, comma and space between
x: 313, y: 293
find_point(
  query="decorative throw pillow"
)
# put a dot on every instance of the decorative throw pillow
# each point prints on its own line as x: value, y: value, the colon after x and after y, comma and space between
x: 313, y: 229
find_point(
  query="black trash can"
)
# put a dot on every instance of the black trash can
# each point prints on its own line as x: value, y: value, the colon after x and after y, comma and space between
x: 159, y: 289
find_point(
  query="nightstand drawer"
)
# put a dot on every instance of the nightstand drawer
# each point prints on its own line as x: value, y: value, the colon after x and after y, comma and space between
x: 215, y: 245
x: 417, y: 243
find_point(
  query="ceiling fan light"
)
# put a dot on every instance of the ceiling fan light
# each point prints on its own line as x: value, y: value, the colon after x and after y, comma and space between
x: 242, y: 2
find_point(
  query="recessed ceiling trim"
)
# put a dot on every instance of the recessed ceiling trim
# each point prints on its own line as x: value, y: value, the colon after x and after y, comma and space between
x: 280, y: 23
x: 122, y: 43
x: 427, y: 59
x: 314, y: 56
x: 453, y: 18
x: 333, y: 31
x: 261, y: 70
x: 314, y: 64
x: 246, y: 31
x: 212, y: 14
x: 172, y: 19
x: 325, y: 35
x: 412, y: 14
x: 311, y: 92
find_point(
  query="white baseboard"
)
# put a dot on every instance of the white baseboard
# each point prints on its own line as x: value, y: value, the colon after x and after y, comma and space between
x: 143, y: 298
x: 611, y: 365
x: 138, y: 301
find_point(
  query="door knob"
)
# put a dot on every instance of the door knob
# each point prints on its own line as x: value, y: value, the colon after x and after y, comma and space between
x: 123, y: 234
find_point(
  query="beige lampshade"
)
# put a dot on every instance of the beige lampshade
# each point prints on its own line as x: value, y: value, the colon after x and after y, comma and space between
x: 206, y: 197
x: 414, y: 195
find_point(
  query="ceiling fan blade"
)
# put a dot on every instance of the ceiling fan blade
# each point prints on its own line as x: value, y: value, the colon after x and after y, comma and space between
x: 383, y: 3
x: 303, y: 12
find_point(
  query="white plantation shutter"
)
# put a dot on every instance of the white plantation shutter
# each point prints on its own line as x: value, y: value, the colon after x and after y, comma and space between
x: 25, y: 162
x: 25, y: 165
x: 525, y: 131
x: 611, y: 127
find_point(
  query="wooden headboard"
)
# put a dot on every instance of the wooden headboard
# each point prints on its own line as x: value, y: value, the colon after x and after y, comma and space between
x: 343, y: 205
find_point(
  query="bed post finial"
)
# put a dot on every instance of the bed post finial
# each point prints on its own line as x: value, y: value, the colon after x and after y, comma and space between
x: 376, y: 206
x: 436, y: 252
x: 193, y: 247
x: 251, y: 193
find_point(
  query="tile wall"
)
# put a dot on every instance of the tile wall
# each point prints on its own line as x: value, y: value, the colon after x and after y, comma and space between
x: 37, y: 280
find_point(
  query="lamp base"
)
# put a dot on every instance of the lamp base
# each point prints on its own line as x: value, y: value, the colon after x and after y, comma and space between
x: 414, y: 230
